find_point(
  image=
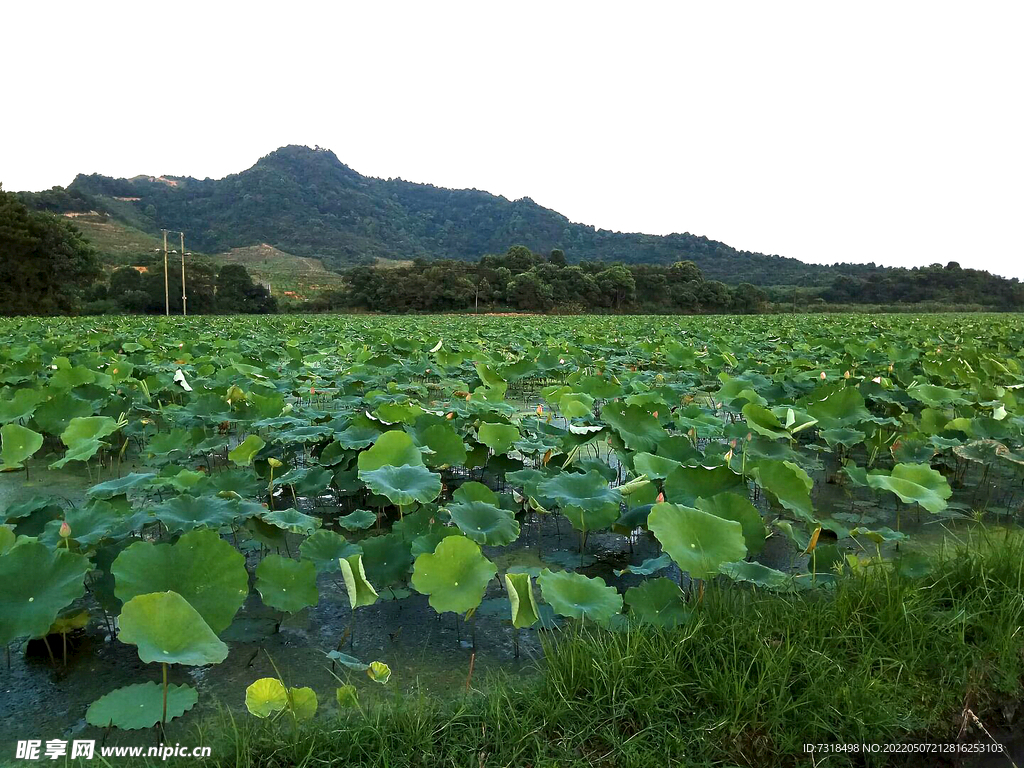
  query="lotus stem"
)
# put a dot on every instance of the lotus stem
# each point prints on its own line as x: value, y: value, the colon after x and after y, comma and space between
x: 163, y: 717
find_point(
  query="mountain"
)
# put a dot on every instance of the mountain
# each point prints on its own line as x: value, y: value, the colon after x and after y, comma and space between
x: 308, y: 203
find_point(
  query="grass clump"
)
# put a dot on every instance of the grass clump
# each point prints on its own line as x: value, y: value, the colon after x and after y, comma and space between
x: 755, y: 676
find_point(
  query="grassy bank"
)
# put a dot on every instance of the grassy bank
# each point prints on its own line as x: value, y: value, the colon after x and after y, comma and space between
x: 879, y: 659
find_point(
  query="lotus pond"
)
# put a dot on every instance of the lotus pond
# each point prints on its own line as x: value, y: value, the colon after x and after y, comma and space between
x: 299, y: 514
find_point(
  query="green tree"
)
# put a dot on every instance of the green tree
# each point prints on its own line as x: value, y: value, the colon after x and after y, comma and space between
x: 237, y: 294
x: 45, y: 263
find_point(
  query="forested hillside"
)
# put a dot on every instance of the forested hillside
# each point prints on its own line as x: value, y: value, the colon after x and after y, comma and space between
x: 307, y: 202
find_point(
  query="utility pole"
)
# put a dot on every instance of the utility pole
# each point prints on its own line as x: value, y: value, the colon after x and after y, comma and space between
x: 167, y: 289
x: 184, y: 310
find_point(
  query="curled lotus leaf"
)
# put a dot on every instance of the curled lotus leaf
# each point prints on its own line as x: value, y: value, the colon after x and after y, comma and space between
x: 246, y: 451
x: 523, y: 604
x: 360, y: 591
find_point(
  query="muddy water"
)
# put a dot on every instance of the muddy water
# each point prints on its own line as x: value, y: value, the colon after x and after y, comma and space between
x: 425, y: 651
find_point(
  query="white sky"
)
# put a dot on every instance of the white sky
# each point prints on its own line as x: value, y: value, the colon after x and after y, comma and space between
x: 857, y: 131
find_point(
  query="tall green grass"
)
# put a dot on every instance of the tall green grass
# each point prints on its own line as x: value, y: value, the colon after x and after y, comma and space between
x: 879, y: 658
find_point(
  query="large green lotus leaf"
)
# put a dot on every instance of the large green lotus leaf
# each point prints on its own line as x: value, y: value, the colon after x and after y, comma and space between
x: 982, y: 451
x: 392, y: 448
x: 54, y: 415
x: 684, y: 485
x: 842, y: 408
x: 17, y: 443
x: 120, y: 486
x: 659, y: 602
x: 447, y: 446
x: 89, y: 525
x: 403, y: 485
x: 83, y: 438
x: 140, y: 706
x: 325, y: 548
x: 36, y: 584
x: 915, y: 483
x: 292, y: 520
x: 584, y: 520
x: 788, y: 483
x: 934, y: 396
x: 731, y: 506
x: 844, y: 436
x: 455, y: 575
x: 286, y: 584
x: 7, y: 538
x: 759, y: 419
x: 357, y: 520
x: 166, y: 629
x: 589, y: 492
x: 474, y: 491
x: 524, y: 605
x: 308, y: 481
x: 757, y: 574
x: 200, y: 566
x: 21, y: 406
x: 485, y: 523
x: 575, y: 405
x: 699, y: 542
x: 186, y: 513
x: 361, y: 432
x: 246, y: 451
x: 360, y: 591
x: 266, y: 696
x: 639, y: 429
x: 577, y: 596
x: 655, y: 467
x: 498, y: 437
x: 386, y: 558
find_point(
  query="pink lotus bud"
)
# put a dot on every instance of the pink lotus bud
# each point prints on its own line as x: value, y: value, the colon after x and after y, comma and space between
x: 65, y: 530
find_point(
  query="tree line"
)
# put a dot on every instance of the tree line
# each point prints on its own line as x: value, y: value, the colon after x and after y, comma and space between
x: 523, y: 280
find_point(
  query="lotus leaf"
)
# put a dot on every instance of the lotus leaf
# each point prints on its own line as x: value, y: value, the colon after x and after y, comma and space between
x: 166, y: 629
x: 200, y: 566
x: 285, y: 584
x: 699, y: 542
x: 140, y: 706
x: 454, y: 576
